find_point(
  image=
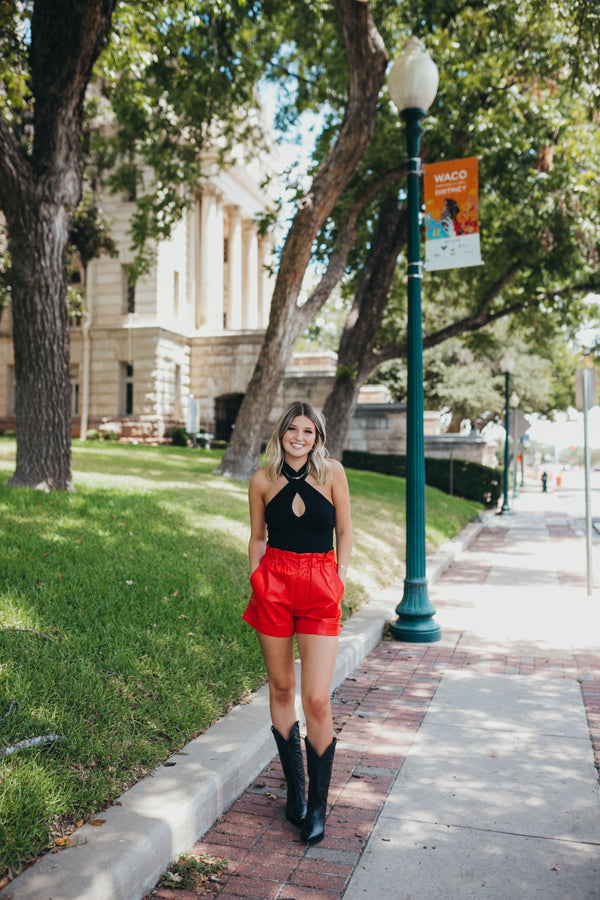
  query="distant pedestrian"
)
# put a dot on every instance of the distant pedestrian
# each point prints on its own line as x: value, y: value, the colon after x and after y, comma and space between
x: 297, y: 501
x: 544, y: 482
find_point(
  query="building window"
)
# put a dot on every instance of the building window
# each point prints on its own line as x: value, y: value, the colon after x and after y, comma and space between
x: 177, y: 398
x: 75, y: 295
x: 130, y: 174
x: 128, y: 289
x: 75, y: 390
x: 127, y: 389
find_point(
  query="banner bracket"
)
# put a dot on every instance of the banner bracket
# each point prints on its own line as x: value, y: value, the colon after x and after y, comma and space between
x: 415, y: 270
x: 417, y: 165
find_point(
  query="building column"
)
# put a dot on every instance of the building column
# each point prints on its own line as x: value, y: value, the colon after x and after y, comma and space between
x: 209, y: 310
x: 86, y: 361
x: 235, y: 317
x: 250, y: 276
x: 266, y: 281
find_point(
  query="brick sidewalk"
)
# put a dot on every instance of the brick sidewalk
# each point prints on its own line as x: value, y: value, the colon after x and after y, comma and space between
x: 377, y: 713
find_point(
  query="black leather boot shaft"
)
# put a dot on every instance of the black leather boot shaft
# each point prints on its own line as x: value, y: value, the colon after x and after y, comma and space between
x: 292, y: 763
x: 319, y: 778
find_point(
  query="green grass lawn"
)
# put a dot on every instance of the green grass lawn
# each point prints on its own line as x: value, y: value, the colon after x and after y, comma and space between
x: 135, y: 584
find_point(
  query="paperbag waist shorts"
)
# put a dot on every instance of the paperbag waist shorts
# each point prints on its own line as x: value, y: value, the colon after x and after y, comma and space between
x: 295, y: 593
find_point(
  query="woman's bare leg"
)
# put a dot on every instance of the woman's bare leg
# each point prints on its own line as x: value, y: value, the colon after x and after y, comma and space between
x: 317, y: 661
x: 278, y: 654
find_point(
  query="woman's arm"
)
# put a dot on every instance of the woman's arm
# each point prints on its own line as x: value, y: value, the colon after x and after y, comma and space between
x: 258, y: 527
x: 343, y: 522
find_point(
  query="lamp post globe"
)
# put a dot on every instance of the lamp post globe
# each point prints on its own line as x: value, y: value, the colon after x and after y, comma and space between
x: 507, y: 365
x: 412, y: 84
x: 413, y: 79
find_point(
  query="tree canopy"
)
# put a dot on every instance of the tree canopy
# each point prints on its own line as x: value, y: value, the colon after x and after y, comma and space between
x: 511, y: 95
x: 176, y: 84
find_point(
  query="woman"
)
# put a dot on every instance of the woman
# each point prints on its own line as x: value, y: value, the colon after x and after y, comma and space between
x: 296, y: 502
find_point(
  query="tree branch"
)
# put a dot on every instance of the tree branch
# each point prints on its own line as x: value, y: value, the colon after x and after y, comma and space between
x: 474, y: 322
x: 592, y: 284
x: 9, y: 711
x: 30, y: 742
x: 344, y: 243
x: 27, y: 631
x: 367, y: 59
x: 15, y: 170
x: 66, y: 39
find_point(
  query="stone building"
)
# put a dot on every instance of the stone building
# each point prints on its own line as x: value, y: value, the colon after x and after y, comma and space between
x: 193, y: 326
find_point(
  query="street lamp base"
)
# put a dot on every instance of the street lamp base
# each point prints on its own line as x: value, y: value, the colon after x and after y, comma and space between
x: 415, y: 623
x: 423, y: 632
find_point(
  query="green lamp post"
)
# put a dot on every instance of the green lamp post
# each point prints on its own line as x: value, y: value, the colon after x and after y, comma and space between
x: 514, y: 402
x: 507, y: 364
x: 412, y: 84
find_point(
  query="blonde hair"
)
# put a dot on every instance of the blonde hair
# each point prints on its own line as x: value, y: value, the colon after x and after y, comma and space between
x: 318, y: 465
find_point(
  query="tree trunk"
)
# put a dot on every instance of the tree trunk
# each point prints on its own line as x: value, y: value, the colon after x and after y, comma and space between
x: 41, y: 346
x: 338, y: 411
x: 367, y: 58
x: 355, y: 355
x: 38, y: 195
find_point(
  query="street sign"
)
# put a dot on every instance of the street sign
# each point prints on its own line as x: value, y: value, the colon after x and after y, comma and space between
x: 592, y: 388
x: 522, y: 424
x: 193, y: 416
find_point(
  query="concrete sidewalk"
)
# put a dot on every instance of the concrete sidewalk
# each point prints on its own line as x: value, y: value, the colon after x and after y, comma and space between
x: 464, y: 768
x: 499, y: 795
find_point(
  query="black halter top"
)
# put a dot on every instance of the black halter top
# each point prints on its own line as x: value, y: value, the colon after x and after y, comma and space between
x: 312, y: 532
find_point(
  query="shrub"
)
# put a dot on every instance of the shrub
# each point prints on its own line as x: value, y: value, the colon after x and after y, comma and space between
x: 92, y: 435
x: 470, y: 480
x: 110, y: 436
x: 177, y: 435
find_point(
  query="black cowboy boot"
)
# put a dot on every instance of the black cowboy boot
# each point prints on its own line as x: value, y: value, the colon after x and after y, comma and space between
x: 319, y: 777
x: 292, y: 763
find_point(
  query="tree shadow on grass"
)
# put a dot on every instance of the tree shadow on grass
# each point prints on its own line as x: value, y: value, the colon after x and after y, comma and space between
x: 137, y: 602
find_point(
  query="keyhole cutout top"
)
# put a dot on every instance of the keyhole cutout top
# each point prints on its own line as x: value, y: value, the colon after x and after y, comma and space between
x: 298, y: 506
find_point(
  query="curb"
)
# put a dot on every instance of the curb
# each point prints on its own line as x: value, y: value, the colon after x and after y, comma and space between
x: 163, y: 815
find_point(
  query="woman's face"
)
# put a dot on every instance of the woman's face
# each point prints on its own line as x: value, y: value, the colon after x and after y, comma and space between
x: 299, y: 440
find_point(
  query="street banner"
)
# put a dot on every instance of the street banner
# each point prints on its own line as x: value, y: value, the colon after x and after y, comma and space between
x: 452, y: 214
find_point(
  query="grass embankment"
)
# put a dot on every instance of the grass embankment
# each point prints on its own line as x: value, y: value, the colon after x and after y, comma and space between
x: 128, y: 595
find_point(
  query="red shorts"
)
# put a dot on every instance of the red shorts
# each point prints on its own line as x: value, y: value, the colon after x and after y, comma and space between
x: 295, y: 593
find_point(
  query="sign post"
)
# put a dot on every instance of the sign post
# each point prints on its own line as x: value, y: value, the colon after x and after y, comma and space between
x: 586, y: 388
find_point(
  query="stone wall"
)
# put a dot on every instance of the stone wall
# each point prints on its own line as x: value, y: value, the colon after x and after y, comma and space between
x: 222, y: 364
x: 378, y: 428
x: 470, y: 447
x: 381, y: 428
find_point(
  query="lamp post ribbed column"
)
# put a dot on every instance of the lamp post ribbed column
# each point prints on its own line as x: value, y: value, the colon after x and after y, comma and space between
x: 415, y: 612
x: 506, y: 365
